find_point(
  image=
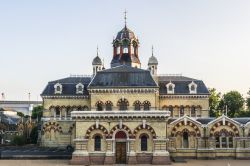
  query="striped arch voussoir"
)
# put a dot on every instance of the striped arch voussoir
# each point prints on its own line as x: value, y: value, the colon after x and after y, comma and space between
x: 95, y: 127
x: 124, y: 127
x: 227, y: 123
x: 147, y: 127
x: 52, y: 126
x: 176, y: 132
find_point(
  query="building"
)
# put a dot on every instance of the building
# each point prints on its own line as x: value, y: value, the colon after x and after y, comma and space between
x: 125, y: 114
x: 25, y: 107
x: 12, y: 125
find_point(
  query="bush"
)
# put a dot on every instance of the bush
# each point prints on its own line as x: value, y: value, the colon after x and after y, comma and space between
x: 34, y: 135
x: 18, y: 140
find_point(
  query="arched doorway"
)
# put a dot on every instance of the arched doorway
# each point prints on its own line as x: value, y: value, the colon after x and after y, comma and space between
x: 121, y: 147
x: 185, y: 140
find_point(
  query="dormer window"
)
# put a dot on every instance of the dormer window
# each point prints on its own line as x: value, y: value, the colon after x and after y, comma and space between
x: 79, y: 88
x: 58, y: 88
x: 170, y: 88
x: 192, y: 88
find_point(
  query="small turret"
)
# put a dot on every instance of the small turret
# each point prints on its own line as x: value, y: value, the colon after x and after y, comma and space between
x: 97, y: 64
x: 152, y: 64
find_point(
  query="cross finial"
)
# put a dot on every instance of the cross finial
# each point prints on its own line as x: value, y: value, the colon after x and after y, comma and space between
x: 125, y: 17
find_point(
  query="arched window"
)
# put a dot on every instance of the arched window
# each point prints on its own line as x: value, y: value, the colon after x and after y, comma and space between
x: 185, y: 140
x: 192, y: 88
x: 99, y: 106
x: 144, y: 143
x: 85, y: 108
x: 193, y: 110
x: 58, y: 111
x: 108, y: 106
x: 146, y: 105
x: 79, y: 108
x: 170, y: 88
x: 68, y: 111
x: 137, y: 105
x: 125, y: 49
x: 123, y: 104
x: 171, y: 109
x: 97, y: 143
x: 181, y: 111
x: 79, y: 88
x: 58, y: 88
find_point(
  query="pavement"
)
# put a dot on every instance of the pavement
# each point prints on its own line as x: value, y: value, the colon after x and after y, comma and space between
x: 33, y: 152
x: 65, y: 163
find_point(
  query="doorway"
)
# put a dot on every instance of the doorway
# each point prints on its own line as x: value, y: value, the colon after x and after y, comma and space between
x: 120, y: 152
x: 121, y: 147
x: 185, y: 140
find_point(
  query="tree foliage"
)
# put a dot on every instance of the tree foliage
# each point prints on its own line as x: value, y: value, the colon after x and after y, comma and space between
x: 214, y: 101
x: 234, y: 102
x: 34, y: 135
x: 248, y: 100
x: 20, y: 114
x: 37, y: 112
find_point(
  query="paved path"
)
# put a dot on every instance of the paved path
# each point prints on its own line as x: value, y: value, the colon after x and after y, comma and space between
x: 65, y: 163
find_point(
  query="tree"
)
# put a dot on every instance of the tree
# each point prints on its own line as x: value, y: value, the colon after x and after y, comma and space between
x: 37, y: 112
x: 234, y: 102
x: 248, y: 103
x: 248, y: 100
x: 20, y: 114
x: 214, y: 101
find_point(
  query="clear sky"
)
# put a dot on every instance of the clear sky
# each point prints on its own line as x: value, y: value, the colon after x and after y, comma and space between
x: 47, y: 40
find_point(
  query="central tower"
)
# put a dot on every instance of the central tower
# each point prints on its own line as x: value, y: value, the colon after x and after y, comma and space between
x: 125, y: 47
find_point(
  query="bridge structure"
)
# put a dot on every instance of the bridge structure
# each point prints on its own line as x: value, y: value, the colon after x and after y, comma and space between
x: 20, y: 106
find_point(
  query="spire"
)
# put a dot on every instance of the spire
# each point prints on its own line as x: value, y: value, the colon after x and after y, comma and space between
x: 125, y: 18
x: 97, y: 50
x: 152, y: 50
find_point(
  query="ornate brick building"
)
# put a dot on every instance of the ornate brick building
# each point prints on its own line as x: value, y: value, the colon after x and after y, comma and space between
x: 125, y: 114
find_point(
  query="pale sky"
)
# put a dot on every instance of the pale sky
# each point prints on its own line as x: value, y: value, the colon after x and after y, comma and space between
x: 47, y: 40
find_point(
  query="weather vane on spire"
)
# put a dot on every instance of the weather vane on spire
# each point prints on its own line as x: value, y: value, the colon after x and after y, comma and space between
x: 125, y: 17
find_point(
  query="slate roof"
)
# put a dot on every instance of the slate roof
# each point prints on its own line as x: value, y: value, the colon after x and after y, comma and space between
x: 68, y: 86
x: 181, y: 85
x: 123, y: 76
x: 125, y: 33
x: 97, y: 61
x: 152, y: 60
x: 242, y: 120
x: 205, y: 120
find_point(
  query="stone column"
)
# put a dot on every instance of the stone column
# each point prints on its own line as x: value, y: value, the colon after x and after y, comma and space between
x: 160, y: 154
x: 110, y: 154
x: 53, y: 111
x: 131, y: 153
x: 80, y: 156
